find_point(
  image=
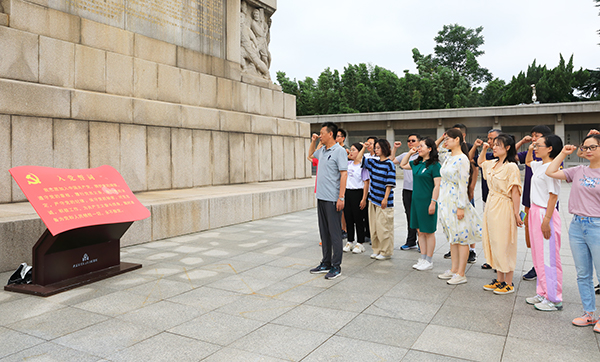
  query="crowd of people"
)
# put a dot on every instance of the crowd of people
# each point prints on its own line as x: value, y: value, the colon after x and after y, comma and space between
x: 357, y: 185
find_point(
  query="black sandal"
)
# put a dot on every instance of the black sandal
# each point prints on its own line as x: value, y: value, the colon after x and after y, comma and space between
x: 486, y: 266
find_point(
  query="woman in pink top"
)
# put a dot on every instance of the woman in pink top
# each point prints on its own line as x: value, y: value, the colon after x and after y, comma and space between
x: 584, y: 231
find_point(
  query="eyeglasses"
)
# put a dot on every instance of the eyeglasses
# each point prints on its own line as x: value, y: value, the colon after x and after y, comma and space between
x: 536, y: 146
x: 339, y: 136
x: 409, y: 140
x: 586, y: 148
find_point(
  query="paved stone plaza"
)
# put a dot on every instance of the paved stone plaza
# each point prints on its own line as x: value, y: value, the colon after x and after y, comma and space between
x: 244, y: 293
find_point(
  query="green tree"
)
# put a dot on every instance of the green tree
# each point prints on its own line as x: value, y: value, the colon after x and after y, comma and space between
x: 458, y: 48
x: 493, y: 93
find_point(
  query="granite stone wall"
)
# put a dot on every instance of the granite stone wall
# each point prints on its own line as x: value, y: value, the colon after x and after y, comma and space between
x: 77, y: 93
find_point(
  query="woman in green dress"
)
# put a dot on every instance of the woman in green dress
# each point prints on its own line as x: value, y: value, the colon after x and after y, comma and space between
x: 426, y: 188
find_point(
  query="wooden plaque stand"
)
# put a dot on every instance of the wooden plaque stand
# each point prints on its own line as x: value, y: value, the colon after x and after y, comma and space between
x: 74, y: 258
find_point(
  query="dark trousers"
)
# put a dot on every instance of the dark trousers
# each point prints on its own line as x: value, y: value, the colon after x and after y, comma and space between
x: 354, y: 215
x: 330, y: 228
x: 411, y: 238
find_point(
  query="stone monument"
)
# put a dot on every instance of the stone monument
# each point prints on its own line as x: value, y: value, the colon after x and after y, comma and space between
x: 174, y: 94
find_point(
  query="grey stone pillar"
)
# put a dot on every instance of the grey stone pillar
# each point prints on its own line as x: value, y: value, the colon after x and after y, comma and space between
x: 233, y: 31
x: 559, y: 127
x: 440, y: 128
x: 390, y: 134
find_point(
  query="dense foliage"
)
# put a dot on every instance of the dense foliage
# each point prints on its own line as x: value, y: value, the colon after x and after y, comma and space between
x: 450, y: 78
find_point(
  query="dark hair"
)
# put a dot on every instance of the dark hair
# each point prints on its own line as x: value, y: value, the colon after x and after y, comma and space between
x: 331, y: 127
x: 456, y: 133
x: 372, y: 138
x: 508, y: 141
x: 341, y: 130
x: 357, y: 145
x: 416, y: 135
x: 544, y: 130
x: 461, y: 126
x: 555, y: 142
x: 386, y: 150
x: 433, y: 154
x: 594, y: 136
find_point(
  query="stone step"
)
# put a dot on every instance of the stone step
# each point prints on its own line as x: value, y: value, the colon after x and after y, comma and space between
x: 173, y: 213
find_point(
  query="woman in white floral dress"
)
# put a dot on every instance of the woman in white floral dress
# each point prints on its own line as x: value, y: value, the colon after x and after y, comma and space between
x: 460, y: 222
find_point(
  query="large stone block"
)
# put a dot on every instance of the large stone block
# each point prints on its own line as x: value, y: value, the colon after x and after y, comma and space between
x: 240, y: 96
x: 307, y: 164
x: 106, y: 37
x: 224, y: 94
x: 156, y: 113
x: 230, y: 210
x: 105, y: 145
x: 252, y: 171
x: 192, y: 60
x: 264, y: 125
x: 34, y: 99
x: 93, y: 106
x: 5, y: 160
x: 31, y: 146
x: 299, y: 157
x: 278, y: 104
x: 159, y: 158
x: 268, y: 204
x: 19, y: 52
x: 289, y: 161
x: 289, y: 106
x: 220, y: 157
x: 202, y: 158
x: 236, y: 158
x: 133, y: 156
x: 18, y: 238
x: 155, y: 50
x: 173, y: 219
x: 265, y: 163
x: 57, y: 62
x: 3, y: 19
x: 190, y: 87
x: 277, y: 158
x: 169, y: 84
x: 119, y: 74
x: 208, y: 91
x: 90, y: 68
x: 266, y: 102
x: 286, y: 127
x: 181, y: 150
x: 218, y: 66
x: 200, y: 118
x: 139, y: 232
x: 145, y: 79
x: 71, y: 144
x: 304, y: 129
x: 44, y: 21
x: 253, y: 99
x: 235, y: 122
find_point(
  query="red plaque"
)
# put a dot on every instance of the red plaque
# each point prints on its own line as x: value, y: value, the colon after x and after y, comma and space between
x: 69, y: 199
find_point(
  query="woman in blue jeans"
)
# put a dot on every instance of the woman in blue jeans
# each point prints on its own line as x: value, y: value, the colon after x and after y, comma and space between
x: 584, y: 231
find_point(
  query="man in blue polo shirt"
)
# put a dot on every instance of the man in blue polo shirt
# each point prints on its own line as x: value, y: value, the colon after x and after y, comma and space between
x: 331, y: 187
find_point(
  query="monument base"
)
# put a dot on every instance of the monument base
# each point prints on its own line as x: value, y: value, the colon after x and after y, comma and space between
x: 64, y: 285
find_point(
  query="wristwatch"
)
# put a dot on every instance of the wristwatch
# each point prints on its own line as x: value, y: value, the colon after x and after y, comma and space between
x: 341, y: 198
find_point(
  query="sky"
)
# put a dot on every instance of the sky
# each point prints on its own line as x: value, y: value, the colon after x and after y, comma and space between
x: 308, y: 36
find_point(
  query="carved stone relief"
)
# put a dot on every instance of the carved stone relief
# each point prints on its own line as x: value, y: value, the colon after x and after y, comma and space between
x: 255, y: 28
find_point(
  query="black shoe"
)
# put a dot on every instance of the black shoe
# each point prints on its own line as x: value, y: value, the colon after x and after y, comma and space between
x: 486, y: 266
x: 597, y: 287
x: 344, y: 235
x: 531, y: 275
x: 447, y: 255
x: 472, y: 257
x: 322, y: 268
x: 335, y: 272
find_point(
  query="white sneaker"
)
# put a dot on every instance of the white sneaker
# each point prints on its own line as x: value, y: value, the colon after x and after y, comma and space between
x: 382, y: 257
x: 425, y: 265
x: 457, y: 279
x: 534, y: 300
x: 348, y: 247
x: 358, y: 248
x: 419, y: 262
x: 373, y: 256
x: 447, y: 275
x: 548, y: 306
